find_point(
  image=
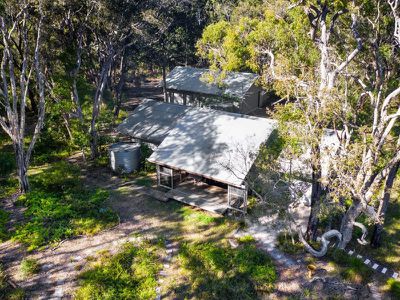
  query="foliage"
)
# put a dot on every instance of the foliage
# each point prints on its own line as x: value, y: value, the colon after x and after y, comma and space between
x: 59, y: 207
x: 7, y: 292
x: 29, y: 267
x: 4, y: 217
x: 145, y: 152
x: 289, y: 244
x: 349, y: 267
x: 130, y: 274
x: 218, y: 272
x: 394, y: 287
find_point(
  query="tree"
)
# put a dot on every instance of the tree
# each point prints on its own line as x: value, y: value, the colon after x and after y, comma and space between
x: 18, y: 27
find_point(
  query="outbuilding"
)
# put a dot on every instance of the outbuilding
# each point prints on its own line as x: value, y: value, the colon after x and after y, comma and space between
x: 235, y: 91
x: 203, y: 155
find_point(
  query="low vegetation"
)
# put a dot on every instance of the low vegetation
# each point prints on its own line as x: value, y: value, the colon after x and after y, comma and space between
x: 29, y: 267
x: 7, y: 291
x: 130, y: 274
x: 220, y: 272
x: 58, y: 207
x: 4, y: 216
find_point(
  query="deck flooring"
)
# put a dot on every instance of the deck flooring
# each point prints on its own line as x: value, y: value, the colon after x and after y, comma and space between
x: 207, y: 197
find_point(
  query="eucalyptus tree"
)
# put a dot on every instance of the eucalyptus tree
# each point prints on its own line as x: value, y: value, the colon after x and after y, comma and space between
x: 320, y: 56
x: 21, y: 26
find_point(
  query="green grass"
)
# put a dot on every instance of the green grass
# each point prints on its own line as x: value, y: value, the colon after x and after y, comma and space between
x: 350, y: 268
x: 29, y: 267
x: 394, y: 288
x: 285, y: 244
x: 4, y: 234
x: 197, y: 217
x: 220, y: 272
x: 59, y: 207
x: 130, y: 274
x: 7, y: 291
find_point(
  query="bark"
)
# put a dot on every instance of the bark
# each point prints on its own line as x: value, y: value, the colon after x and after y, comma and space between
x: 74, y: 73
x: 347, y: 225
x: 120, y: 86
x: 96, y: 105
x: 316, y: 195
x: 378, y: 228
x: 164, y: 75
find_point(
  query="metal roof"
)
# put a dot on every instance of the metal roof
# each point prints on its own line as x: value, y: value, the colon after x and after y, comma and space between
x: 191, y: 79
x: 152, y: 120
x: 215, y: 144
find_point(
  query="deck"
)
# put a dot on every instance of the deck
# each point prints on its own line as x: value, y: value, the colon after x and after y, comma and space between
x: 207, y: 197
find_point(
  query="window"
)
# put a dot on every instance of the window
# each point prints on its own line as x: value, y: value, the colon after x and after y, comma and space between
x: 165, y: 177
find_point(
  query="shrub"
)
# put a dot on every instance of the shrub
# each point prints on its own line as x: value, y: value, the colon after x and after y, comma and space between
x: 29, y: 267
x: 8, y: 187
x: 225, y: 273
x: 394, y: 288
x: 130, y: 274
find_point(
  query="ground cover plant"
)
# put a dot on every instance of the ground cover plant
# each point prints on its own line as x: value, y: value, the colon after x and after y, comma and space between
x: 59, y: 206
x: 130, y: 274
x: 29, y: 267
x: 220, y: 272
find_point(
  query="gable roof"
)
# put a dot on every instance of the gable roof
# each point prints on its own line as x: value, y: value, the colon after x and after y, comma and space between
x: 191, y: 79
x: 218, y: 145
x: 152, y: 120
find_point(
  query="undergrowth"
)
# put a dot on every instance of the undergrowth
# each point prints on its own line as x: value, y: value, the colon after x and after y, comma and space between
x: 59, y: 207
x: 220, y: 272
x: 6, y: 290
x: 130, y: 274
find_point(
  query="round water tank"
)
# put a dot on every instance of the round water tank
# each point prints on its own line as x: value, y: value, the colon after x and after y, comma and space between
x: 124, y: 157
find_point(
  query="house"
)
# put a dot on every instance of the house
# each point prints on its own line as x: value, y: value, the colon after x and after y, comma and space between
x: 203, y: 155
x: 235, y: 92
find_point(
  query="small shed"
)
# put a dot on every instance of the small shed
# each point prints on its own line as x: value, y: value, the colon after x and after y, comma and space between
x: 236, y: 92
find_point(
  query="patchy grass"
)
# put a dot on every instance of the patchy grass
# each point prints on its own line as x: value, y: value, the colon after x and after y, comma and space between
x: 4, y: 234
x: 6, y: 290
x: 288, y: 244
x: 29, y: 267
x: 220, y: 272
x: 59, y: 207
x: 145, y: 181
x: 246, y: 239
x: 197, y: 217
x: 350, y: 268
x: 130, y: 274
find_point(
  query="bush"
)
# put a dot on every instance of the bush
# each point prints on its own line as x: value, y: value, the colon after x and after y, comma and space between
x: 394, y: 287
x: 130, y: 274
x: 59, y: 207
x: 225, y: 273
x: 29, y: 267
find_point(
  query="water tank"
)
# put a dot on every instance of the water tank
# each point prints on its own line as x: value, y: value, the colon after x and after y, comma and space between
x: 124, y: 157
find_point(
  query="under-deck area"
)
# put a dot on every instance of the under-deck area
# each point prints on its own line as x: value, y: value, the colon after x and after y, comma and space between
x: 197, y: 193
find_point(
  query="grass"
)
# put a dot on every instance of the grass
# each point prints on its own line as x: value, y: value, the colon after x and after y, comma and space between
x: 130, y: 274
x: 59, y: 207
x: 197, y: 217
x: 350, y: 268
x: 288, y: 244
x: 7, y: 291
x: 4, y: 234
x: 29, y: 267
x: 393, y: 287
x: 220, y: 272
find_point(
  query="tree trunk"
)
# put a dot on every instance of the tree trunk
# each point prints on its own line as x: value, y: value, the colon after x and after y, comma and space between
x: 21, y: 168
x: 378, y: 228
x: 346, y: 228
x: 120, y: 86
x: 164, y: 75
x: 316, y: 195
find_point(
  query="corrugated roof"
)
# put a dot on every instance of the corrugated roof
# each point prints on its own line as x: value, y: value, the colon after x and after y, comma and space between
x: 152, y: 120
x: 191, y: 79
x: 215, y: 144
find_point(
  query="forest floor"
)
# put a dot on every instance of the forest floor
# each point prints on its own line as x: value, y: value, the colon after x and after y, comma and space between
x: 143, y: 217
